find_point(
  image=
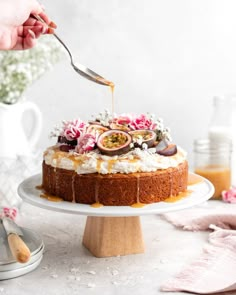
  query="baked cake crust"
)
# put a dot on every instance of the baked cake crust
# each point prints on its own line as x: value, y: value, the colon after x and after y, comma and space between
x: 115, y: 189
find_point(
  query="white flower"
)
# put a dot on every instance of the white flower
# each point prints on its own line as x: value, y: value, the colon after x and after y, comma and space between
x: 19, y: 69
x: 104, y: 118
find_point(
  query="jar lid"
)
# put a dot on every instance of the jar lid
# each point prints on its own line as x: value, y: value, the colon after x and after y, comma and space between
x: 207, y: 145
x: 9, y: 267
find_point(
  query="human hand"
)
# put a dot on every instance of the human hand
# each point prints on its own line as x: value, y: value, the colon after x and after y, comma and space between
x: 18, y: 30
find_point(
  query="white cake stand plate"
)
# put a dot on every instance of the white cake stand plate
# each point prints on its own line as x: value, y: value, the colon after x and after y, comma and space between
x: 114, y: 230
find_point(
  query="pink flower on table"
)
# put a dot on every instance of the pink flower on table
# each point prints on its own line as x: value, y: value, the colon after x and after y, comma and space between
x: 229, y: 196
x: 73, y: 129
x: 142, y: 122
x: 9, y: 212
x: 85, y: 143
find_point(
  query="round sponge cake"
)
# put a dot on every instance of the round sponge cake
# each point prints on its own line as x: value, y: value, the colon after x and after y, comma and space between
x: 115, y: 189
x: 117, y: 160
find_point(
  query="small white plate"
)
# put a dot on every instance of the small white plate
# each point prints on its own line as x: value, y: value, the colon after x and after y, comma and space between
x: 27, y: 190
x: 32, y: 240
x: 5, y: 275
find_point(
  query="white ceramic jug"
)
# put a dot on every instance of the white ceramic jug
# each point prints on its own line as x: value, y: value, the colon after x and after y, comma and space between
x: 14, y: 141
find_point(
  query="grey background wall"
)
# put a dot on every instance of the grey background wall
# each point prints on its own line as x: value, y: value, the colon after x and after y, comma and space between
x: 166, y: 57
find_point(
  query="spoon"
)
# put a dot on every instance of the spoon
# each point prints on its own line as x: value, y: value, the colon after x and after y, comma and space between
x: 80, y: 69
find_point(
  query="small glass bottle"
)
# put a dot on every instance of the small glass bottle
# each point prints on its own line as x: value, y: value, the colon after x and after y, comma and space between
x: 223, y: 126
x: 220, y: 128
x: 212, y: 160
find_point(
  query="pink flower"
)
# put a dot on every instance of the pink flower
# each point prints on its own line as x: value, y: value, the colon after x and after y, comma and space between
x: 85, y: 143
x: 73, y: 129
x: 142, y: 122
x: 9, y: 212
x: 229, y: 196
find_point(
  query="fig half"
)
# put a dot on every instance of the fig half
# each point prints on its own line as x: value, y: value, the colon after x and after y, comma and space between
x: 143, y: 136
x: 66, y: 148
x: 170, y: 150
x: 63, y: 139
x: 114, y: 142
x: 161, y: 145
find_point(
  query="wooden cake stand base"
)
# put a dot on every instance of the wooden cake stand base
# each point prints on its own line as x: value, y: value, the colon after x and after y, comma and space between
x: 113, y: 236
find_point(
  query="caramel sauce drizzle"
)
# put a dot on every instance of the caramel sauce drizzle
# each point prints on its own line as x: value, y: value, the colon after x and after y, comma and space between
x: 97, y: 183
x: 56, y: 181
x: 97, y: 204
x: 182, y: 195
x: 112, y: 87
x: 194, y: 179
x: 138, y: 204
x: 51, y: 198
x: 110, y: 165
x: 46, y: 196
x: 39, y: 187
x: 132, y: 160
x: 99, y: 163
x: 170, y: 177
x: 73, y: 188
x: 77, y: 161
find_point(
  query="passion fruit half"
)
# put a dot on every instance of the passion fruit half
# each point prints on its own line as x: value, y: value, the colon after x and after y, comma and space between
x: 119, y: 127
x: 96, y: 129
x: 143, y: 136
x: 114, y: 142
x: 94, y: 122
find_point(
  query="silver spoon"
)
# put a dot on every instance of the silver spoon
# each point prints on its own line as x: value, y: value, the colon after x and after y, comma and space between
x: 80, y: 69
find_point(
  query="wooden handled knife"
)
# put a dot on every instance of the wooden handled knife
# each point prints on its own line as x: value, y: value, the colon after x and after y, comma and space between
x: 17, y: 246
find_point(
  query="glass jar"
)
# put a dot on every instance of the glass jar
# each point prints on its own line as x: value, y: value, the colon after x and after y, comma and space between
x: 212, y: 160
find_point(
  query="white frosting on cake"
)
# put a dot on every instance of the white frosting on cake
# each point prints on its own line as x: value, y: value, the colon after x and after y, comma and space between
x: 136, y: 160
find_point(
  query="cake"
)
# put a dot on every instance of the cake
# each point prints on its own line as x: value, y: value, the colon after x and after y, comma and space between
x: 114, y: 160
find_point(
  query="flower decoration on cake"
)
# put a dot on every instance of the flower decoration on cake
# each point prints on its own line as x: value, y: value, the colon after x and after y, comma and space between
x: 73, y: 129
x: 85, y: 143
x: 229, y: 196
x: 115, y: 135
x: 142, y: 122
x: 104, y: 118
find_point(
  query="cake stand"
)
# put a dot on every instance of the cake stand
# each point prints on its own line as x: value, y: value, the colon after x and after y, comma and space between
x: 114, y: 230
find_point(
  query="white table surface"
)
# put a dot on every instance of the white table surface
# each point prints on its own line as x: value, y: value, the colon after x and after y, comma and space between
x: 69, y: 268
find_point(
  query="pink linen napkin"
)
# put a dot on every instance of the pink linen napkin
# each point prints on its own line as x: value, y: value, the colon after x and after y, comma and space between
x: 215, y: 270
x: 200, y: 218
